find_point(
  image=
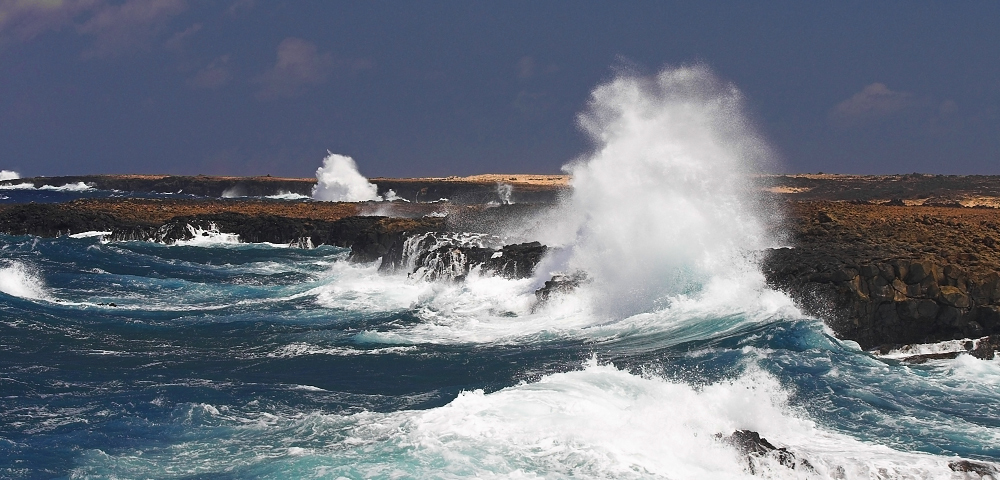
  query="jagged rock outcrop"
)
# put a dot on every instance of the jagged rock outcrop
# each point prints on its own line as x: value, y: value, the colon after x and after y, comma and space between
x: 559, y: 283
x: 753, y: 447
x: 453, y: 256
x: 889, y: 301
x: 892, y: 275
x: 984, y: 470
x: 369, y: 238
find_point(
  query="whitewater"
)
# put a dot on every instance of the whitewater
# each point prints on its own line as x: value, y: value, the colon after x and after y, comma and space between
x: 220, y: 359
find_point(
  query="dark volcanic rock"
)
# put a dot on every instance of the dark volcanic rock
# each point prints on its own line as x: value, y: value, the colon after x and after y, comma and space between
x: 752, y: 446
x: 560, y: 283
x: 515, y: 261
x: 440, y: 257
x: 979, y: 468
x: 368, y: 237
x: 892, y: 301
x: 52, y: 220
x: 892, y: 275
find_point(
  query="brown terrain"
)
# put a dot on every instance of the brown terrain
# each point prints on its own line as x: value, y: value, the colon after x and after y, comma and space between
x: 885, y: 260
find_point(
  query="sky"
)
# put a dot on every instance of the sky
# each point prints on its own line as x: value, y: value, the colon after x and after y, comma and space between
x: 435, y: 88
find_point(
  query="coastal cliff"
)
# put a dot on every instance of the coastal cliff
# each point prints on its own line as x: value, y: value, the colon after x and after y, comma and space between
x: 892, y: 274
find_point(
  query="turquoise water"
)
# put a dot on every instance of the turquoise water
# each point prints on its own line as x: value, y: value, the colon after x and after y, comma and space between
x: 253, y: 361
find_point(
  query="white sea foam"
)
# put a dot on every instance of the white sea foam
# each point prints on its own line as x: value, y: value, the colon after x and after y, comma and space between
x: 9, y: 175
x: 338, y: 180
x: 18, y: 186
x: 207, y: 237
x: 90, y: 234
x: 69, y: 187
x: 20, y: 280
x: 299, y: 349
x: 598, y: 422
x: 288, y: 196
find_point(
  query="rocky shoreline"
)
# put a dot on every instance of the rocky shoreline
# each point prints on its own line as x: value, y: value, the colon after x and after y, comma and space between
x: 892, y: 275
x: 881, y: 272
x: 478, y: 189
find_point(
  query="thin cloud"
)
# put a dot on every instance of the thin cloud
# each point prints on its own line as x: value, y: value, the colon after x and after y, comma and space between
x: 115, y: 27
x: 215, y: 75
x: 129, y: 27
x: 298, y: 67
x: 24, y: 20
x: 240, y: 6
x: 177, y: 41
x: 527, y: 68
x: 874, y: 102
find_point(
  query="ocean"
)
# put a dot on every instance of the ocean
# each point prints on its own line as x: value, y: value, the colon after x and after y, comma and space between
x: 217, y: 359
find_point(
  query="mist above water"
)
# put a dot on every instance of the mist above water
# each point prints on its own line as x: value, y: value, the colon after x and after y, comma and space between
x: 665, y: 204
x: 338, y: 180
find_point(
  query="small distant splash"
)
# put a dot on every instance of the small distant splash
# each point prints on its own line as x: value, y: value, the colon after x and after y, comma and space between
x: 207, y: 237
x: 505, y: 191
x: 283, y: 195
x: 665, y: 205
x: 235, y: 191
x: 9, y: 175
x: 338, y: 180
x: 17, y: 279
x: 69, y: 187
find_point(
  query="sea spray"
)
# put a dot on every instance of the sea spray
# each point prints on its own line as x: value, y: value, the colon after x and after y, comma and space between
x: 9, y: 175
x: 17, y: 279
x: 338, y: 180
x: 665, y: 203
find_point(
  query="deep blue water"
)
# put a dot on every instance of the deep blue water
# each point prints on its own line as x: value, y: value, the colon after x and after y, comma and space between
x: 254, y: 361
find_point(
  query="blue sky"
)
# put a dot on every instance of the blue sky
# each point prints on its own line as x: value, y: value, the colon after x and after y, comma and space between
x: 244, y: 87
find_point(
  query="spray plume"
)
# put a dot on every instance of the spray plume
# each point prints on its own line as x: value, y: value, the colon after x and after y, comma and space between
x: 665, y: 203
x: 338, y: 180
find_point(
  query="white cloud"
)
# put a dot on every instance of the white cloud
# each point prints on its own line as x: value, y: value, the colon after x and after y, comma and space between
x: 215, y: 75
x: 874, y: 102
x: 299, y: 66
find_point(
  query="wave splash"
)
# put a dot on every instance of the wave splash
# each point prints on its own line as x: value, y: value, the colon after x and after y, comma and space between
x: 338, y: 180
x: 666, y: 203
x: 18, y: 280
x: 598, y: 422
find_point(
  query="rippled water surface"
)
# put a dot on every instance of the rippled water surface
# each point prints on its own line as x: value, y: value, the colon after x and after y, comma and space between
x: 240, y: 361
